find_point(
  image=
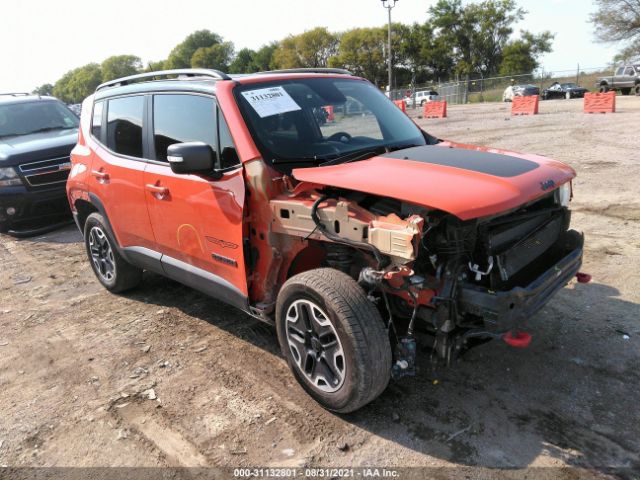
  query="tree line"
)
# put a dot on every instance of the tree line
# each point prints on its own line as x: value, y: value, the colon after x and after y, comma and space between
x: 457, y: 40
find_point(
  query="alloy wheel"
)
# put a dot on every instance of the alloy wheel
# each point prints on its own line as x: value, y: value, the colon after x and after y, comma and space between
x: 102, y: 254
x: 315, y: 346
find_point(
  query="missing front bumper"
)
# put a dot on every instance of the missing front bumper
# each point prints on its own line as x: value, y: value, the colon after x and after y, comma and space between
x: 502, y: 310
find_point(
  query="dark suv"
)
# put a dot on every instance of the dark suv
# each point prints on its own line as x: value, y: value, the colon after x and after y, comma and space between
x: 37, y: 135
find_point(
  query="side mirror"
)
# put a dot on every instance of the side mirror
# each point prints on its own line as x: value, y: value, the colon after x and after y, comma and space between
x: 193, y: 157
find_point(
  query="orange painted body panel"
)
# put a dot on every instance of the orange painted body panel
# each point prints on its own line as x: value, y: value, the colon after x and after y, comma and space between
x: 464, y: 193
x: 194, y: 219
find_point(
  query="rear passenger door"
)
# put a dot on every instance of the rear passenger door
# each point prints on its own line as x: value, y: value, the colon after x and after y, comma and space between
x: 197, y: 221
x: 117, y: 168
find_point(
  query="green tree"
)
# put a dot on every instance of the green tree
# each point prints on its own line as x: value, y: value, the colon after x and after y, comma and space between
x: 618, y: 21
x: 120, y: 66
x: 423, y: 53
x: 180, y: 56
x: 263, y: 59
x: 243, y: 62
x: 477, y: 34
x: 521, y: 55
x: 155, y: 66
x: 46, y: 89
x: 216, y: 56
x: 77, y: 84
x: 311, y: 49
x: 362, y: 51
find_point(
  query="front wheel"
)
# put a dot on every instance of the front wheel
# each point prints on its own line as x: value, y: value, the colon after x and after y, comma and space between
x: 604, y: 88
x: 113, y: 271
x: 334, y: 339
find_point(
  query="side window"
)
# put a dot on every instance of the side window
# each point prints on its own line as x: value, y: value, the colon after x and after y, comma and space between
x: 124, y: 125
x: 629, y: 71
x: 96, y: 122
x: 182, y: 118
x: 228, y: 154
x: 620, y: 71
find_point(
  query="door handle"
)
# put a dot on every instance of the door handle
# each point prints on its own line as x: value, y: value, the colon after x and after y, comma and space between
x: 159, y: 192
x: 100, y: 175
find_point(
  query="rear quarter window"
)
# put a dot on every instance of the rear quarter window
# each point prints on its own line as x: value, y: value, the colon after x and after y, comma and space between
x: 124, y: 125
x: 96, y: 120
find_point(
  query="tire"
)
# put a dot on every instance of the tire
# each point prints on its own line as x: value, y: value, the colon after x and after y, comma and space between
x: 4, y: 227
x: 637, y: 90
x: 625, y: 91
x: 567, y: 95
x: 422, y: 103
x: 112, y: 271
x: 604, y: 88
x: 337, y: 311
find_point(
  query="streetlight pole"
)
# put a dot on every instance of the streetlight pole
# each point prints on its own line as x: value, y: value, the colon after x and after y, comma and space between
x: 389, y: 4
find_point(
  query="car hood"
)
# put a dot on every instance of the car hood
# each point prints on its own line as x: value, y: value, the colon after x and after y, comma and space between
x: 464, y: 180
x: 38, y: 146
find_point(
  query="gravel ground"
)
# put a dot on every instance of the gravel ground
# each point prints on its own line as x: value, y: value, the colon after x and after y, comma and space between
x: 164, y: 376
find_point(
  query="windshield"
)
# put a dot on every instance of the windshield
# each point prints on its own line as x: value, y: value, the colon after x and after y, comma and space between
x: 311, y: 121
x: 569, y: 85
x: 25, y: 118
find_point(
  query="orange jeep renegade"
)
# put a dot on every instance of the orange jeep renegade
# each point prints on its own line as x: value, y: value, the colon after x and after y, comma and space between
x: 307, y: 199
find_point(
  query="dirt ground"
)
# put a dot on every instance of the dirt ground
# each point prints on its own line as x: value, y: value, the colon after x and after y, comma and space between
x: 164, y: 376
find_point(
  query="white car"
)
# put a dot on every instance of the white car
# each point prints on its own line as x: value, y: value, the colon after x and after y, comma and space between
x: 422, y: 97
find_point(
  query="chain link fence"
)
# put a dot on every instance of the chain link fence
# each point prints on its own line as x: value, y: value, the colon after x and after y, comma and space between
x: 477, y: 89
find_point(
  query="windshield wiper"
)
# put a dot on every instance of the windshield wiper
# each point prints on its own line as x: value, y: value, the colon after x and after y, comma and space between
x: 356, y: 155
x: 365, y: 153
x: 49, y: 129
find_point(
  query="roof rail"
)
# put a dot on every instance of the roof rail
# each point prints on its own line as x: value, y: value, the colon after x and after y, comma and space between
x: 339, y: 71
x: 187, y: 72
x: 16, y: 94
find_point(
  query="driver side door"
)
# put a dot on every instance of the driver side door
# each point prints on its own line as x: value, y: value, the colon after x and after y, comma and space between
x: 197, y: 221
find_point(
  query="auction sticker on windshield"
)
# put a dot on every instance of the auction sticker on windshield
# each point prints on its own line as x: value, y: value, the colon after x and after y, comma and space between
x: 271, y: 101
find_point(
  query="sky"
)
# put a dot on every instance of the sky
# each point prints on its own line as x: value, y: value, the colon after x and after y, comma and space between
x: 41, y: 40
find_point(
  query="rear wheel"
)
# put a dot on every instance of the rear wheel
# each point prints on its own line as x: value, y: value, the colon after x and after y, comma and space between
x: 637, y: 90
x: 334, y: 339
x: 604, y: 88
x: 113, y: 271
x: 568, y: 95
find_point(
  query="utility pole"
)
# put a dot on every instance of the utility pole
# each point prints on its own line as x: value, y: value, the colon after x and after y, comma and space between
x: 389, y: 4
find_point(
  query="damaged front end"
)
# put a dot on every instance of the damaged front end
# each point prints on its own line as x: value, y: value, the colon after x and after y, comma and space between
x: 459, y: 282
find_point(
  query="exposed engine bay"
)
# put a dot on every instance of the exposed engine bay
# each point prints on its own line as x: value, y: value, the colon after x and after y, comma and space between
x: 459, y: 282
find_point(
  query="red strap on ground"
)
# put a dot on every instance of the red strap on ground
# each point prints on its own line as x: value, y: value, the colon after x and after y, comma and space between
x: 517, y: 339
x: 583, y: 277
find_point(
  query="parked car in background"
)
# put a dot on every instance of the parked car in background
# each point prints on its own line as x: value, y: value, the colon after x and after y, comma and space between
x: 348, y: 236
x: 626, y: 79
x: 519, y: 91
x: 422, y: 97
x: 37, y: 134
x: 75, y: 108
x: 563, y: 90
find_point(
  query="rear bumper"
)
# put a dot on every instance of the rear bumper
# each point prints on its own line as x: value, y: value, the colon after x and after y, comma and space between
x: 32, y: 207
x: 503, y: 310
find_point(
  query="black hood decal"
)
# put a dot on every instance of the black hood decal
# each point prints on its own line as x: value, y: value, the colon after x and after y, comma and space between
x: 482, y: 162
